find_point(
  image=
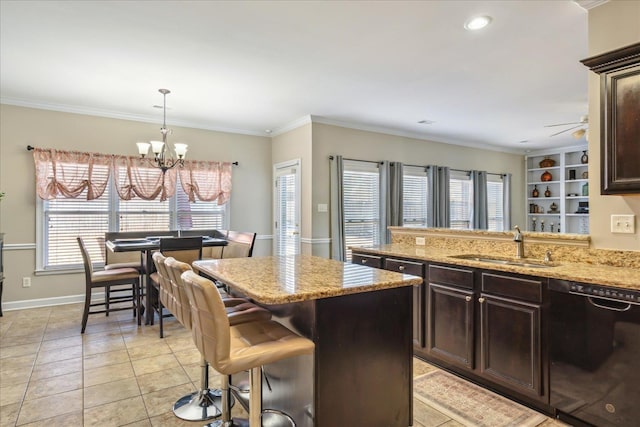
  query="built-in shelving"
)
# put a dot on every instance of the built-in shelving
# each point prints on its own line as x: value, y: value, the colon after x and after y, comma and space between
x: 568, y: 194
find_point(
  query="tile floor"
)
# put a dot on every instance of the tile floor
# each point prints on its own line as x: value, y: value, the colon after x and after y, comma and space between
x: 116, y: 374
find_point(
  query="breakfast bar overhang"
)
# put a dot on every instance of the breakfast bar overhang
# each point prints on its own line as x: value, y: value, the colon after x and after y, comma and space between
x: 360, y: 320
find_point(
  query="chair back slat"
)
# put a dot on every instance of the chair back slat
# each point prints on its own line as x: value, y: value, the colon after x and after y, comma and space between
x: 240, y: 244
x: 185, y: 249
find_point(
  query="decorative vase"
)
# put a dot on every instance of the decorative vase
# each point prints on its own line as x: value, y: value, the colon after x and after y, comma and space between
x: 585, y: 158
x: 547, y: 193
x: 547, y: 162
x: 585, y: 189
x: 585, y: 175
x: 546, y: 176
x: 535, y: 192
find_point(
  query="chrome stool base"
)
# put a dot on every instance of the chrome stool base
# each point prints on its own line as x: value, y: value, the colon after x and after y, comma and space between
x: 269, y: 418
x: 198, y: 406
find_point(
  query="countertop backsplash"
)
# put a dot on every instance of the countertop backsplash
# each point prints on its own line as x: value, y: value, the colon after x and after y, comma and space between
x: 575, y: 248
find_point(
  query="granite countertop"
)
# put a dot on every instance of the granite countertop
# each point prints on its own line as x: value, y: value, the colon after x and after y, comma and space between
x: 628, y: 278
x: 280, y: 280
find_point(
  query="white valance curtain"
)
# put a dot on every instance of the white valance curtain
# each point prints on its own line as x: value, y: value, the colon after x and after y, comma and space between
x: 69, y: 173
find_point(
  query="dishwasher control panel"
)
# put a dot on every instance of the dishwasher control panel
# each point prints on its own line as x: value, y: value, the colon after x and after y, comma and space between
x: 606, y: 292
x: 617, y: 294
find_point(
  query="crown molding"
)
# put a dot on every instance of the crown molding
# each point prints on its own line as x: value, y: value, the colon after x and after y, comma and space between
x: 304, y: 120
x: 122, y: 116
x: 589, y: 4
x: 413, y: 135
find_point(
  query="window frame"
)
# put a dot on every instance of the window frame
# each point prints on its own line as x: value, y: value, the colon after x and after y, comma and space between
x: 113, y: 214
x: 462, y: 176
x: 363, y: 166
x: 421, y: 172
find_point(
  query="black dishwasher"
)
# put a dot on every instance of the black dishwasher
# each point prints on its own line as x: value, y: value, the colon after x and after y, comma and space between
x: 595, y: 354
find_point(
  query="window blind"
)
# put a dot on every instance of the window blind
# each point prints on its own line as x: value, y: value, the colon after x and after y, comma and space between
x: 495, y: 204
x: 361, y: 182
x: 64, y: 219
x: 460, y: 200
x: 415, y: 196
x: 286, y: 192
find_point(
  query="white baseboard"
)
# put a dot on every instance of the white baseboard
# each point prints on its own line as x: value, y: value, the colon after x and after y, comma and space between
x: 47, y: 302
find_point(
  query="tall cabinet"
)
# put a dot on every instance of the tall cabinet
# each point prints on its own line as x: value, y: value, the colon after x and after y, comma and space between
x: 557, y: 186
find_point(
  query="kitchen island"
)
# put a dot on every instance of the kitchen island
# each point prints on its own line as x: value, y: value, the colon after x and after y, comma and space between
x: 360, y: 321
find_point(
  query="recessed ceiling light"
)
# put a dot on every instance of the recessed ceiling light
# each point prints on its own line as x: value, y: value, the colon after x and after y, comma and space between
x: 426, y: 122
x: 524, y: 141
x: 268, y: 130
x: 477, y: 23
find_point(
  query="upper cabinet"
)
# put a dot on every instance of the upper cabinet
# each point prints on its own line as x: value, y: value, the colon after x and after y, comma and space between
x: 619, y: 118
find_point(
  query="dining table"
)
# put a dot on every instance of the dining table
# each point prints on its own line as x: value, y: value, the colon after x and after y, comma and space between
x: 147, y: 246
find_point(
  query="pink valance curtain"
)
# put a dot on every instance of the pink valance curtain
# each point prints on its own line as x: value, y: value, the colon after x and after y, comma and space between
x: 206, y: 181
x: 134, y: 176
x: 69, y: 173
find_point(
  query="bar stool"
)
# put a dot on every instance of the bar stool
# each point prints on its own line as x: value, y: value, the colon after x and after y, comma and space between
x: 205, y: 403
x: 246, y: 346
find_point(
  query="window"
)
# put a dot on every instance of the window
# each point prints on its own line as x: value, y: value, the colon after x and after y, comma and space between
x: 415, y: 196
x: 460, y: 200
x: 361, y: 186
x: 495, y: 203
x: 62, y: 220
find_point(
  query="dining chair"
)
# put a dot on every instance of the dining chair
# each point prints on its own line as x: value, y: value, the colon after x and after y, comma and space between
x: 120, y: 286
x: 240, y: 244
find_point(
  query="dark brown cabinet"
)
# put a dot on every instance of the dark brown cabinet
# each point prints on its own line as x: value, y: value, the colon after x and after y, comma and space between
x: 450, y: 315
x: 511, y: 332
x: 401, y: 266
x: 417, y: 269
x: 619, y: 118
x: 368, y: 260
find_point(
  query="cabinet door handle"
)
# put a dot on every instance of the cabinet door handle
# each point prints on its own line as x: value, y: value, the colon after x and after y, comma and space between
x: 401, y: 268
x: 467, y: 298
x: 480, y: 300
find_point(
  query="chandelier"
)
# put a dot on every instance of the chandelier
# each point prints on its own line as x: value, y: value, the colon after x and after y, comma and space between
x: 159, y: 148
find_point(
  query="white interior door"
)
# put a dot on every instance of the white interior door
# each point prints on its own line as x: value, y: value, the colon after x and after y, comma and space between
x: 286, y: 208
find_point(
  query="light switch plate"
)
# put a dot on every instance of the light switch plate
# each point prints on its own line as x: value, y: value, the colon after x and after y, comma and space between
x: 322, y: 207
x: 623, y: 224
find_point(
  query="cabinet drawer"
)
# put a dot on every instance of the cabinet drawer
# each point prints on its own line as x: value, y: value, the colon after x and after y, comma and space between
x: 451, y: 276
x: 368, y: 260
x: 402, y: 266
x: 513, y: 287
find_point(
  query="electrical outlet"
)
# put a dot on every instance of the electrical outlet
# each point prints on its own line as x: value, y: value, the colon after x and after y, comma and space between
x: 420, y: 241
x: 623, y: 224
x: 26, y: 282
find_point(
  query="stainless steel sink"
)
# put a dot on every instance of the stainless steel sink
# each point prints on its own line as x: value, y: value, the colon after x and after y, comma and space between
x: 506, y: 261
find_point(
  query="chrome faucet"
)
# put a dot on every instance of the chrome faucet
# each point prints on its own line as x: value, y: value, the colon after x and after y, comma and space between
x: 519, y: 239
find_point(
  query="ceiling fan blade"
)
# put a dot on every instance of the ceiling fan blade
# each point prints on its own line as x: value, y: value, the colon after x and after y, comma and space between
x: 563, y: 131
x: 562, y: 124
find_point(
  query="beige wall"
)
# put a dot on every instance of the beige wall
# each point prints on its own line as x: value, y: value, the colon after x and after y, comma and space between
x: 350, y: 143
x: 291, y: 145
x: 19, y: 127
x: 611, y: 26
